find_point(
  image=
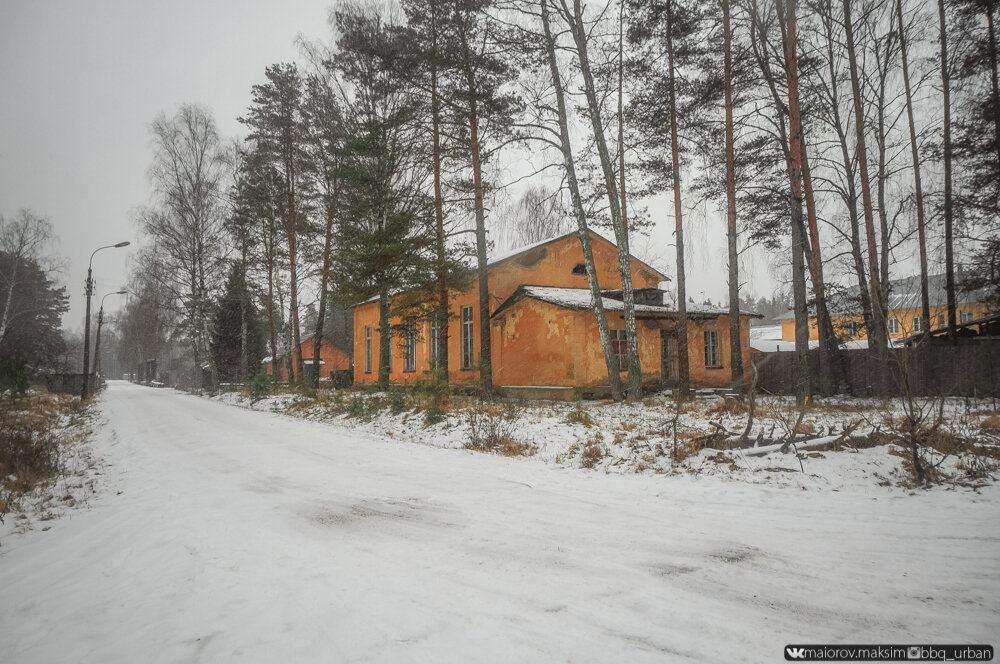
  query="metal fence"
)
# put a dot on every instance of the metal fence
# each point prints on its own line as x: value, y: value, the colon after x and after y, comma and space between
x: 938, y: 369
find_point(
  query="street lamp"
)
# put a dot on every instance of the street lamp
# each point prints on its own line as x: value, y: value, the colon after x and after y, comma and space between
x: 86, y: 325
x: 100, y: 321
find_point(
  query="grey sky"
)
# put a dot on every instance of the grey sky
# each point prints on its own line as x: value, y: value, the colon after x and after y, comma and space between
x: 80, y: 83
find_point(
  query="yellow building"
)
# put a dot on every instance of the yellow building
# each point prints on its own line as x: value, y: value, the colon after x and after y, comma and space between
x: 904, y: 317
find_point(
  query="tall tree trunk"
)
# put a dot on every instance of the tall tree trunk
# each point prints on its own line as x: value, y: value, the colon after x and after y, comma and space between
x: 10, y: 298
x: 683, y: 367
x: 384, y: 341
x: 324, y: 281
x: 621, y: 114
x: 293, y: 309
x: 735, y: 350
x: 925, y: 300
x: 795, y: 154
x: 577, y: 28
x: 949, y: 254
x: 994, y: 83
x: 830, y: 368
x: 850, y: 198
x: 565, y: 144
x: 485, y: 343
x: 272, y: 334
x: 878, y: 335
x: 441, y: 313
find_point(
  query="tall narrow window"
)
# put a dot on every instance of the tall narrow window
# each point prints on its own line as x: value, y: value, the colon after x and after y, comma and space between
x: 916, y: 324
x: 852, y: 329
x: 467, y: 342
x: 368, y: 349
x: 940, y: 321
x: 893, y: 326
x: 410, y: 348
x: 712, y: 356
x: 619, y: 344
x: 435, y: 344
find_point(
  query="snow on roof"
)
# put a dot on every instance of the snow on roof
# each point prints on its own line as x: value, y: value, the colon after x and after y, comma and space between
x: 579, y: 298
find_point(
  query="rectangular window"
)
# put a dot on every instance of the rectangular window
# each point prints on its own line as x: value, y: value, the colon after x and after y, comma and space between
x: 368, y: 349
x: 940, y: 321
x: 965, y: 317
x: 852, y: 329
x: 467, y: 342
x: 916, y: 324
x: 619, y: 344
x: 410, y: 349
x: 893, y: 326
x: 712, y: 357
x: 435, y: 345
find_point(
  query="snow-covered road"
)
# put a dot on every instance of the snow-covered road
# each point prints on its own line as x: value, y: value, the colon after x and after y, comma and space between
x: 223, y: 534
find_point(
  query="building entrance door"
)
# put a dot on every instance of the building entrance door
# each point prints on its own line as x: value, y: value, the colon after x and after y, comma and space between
x: 669, y: 362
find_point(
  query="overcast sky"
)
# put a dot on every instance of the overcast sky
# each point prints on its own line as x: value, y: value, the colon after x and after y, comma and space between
x: 80, y: 83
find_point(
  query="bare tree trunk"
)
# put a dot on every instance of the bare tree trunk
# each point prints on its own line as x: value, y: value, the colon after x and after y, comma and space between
x: 795, y: 153
x: 925, y: 301
x: 621, y: 114
x: 949, y: 255
x: 10, y: 296
x: 683, y: 368
x: 735, y: 350
x: 830, y: 369
x: 577, y: 28
x: 441, y: 314
x: 596, y: 298
x: 876, y: 336
x: 994, y: 83
x: 485, y: 345
x: 270, y: 317
x: 293, y: 292
x: 385, y: 340
x: 324, y: 280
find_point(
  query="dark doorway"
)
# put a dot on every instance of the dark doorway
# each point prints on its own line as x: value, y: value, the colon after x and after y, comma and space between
x: 669, y: 362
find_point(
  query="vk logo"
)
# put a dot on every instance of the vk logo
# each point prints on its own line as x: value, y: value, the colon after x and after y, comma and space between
x: 795, y: 653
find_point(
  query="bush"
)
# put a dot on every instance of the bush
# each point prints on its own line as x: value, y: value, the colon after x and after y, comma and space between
x: 259, y: 387
x: 397, y: 400
x: 364, y: 407
x: 492, y: 427
x: 14, y: 375
x: 579, y: 415
x: 593, y: 451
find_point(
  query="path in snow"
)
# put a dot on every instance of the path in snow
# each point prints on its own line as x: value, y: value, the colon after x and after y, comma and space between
x: 240, y: 535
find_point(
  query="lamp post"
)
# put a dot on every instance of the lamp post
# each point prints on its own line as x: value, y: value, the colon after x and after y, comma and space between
x: 86, y: 325
x: 97, y: 343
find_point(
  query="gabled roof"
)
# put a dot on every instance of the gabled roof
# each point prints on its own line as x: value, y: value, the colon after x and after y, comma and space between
x: 579, y: 299
x: 523, y: 250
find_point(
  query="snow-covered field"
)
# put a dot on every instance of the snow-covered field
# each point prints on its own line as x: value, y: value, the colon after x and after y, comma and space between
x: 223, y: 534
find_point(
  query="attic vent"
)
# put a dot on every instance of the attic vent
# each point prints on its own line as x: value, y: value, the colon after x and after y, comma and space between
x: 579, y: 268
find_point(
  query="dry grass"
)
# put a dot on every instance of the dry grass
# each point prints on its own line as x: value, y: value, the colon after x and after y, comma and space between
x: 991, y: 424
x: 730, y: 407
x: 30, y: 453
x: 593, y: 452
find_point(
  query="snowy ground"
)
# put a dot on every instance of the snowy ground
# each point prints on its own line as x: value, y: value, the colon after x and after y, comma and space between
x: 223, y: 534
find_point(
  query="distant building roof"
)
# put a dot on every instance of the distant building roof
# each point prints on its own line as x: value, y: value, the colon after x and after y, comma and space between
x: 904, y: 293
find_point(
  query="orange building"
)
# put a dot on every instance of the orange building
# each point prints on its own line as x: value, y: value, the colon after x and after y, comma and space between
x: 331, y: 359
x: 543, y: 330
x: 904, y: 317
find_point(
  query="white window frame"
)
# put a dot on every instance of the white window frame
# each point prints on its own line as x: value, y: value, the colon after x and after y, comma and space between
x: 368, y: 349
x: 619, y: 344
x: 410, y: 345
x: 893, y: 326
x: 713, y: 358
x: 468, y: 346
